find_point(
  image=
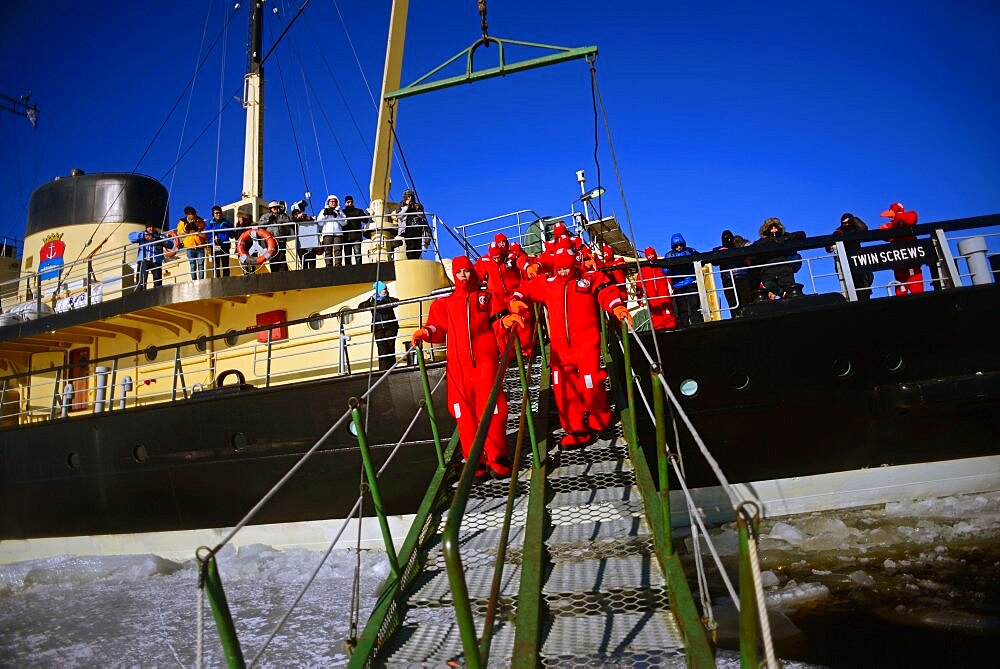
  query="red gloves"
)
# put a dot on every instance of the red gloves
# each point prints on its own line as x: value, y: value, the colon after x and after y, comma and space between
x: 420, y: 335
x: 621, y: 312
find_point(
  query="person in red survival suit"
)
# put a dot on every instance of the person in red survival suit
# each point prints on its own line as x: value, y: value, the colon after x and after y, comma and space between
x: 498, y: 269
x: 614, y: 269
x: 911, y: 279
x: 575, y: 335
x: 654, y: 286
x: 465, y: 318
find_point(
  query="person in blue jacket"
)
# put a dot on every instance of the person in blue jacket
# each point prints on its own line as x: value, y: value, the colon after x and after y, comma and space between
x: 686, y: 303
x: 150, y: 257
x: 220, y: 236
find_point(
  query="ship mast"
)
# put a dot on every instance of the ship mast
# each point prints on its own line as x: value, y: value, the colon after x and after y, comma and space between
x: 382, y: 158
x: 253, y: 103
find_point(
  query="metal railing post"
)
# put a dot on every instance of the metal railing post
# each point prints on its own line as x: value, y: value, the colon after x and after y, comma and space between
x: 38, y: 294
x: 267, y: 366
x: 366, y: 459
x: 944, y: 252
x: 661, y: 456
x: 55, y: 394
x: 178, y: 374
x: 526, y: 401
x: 111, y: 388
x: 748, y: 600
x: 629, y: 381
x: 210, y: 581
x: 90, y: 273
x: 845, y: 272
x: 429, y: 404
x: 699, y: 280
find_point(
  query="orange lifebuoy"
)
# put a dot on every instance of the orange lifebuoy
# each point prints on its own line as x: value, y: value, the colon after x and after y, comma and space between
x: 167, y: 250
x: 264, y: 253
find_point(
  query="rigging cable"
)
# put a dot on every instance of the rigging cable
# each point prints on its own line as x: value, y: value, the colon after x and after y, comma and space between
x: 218, y: 135
x: 291, y: 123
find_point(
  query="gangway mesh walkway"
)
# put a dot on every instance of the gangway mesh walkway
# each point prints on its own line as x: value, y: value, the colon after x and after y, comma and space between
x: 600, y: 594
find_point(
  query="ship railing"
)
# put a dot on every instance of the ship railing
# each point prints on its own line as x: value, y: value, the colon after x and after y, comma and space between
x: 181, y: 370
x: 664, y: 410
x: 113, y: 273
x: 524, y: 226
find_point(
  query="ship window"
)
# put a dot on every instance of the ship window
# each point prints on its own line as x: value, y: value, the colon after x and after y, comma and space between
x: 894, y: 362
x: 139, y: 453
x: 201, y: 343
x: 842, y: 367
x: 346, y: 318
x: 239, y: 441
x: 73, y: 460
x: 151, y: 353
x: 739, y: 381
x: 689, y: 387
x: 316, y: 321
x: 232, y: 336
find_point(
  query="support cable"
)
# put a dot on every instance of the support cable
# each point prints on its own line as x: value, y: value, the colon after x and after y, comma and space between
x: 218, y: 134
x: 758, y: 588
x: 291, y: 123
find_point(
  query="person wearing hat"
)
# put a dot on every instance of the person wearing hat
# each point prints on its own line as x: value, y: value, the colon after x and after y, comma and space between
x: 464, y: 319
x: 499, y: 271
x: 356, y: 221
x: 413, y: 226
x: 777, y: 277
x: 687, y: 304
x: 654, y: 287
x: 332, y: 222
x: 909, y: 279
x: 737, y: 281
x: 572, y: 300
x: 862, y: 276
x: 219, y: 232
x: 385, y: 327
x: 150, y: 257
x: 276, y: 222
x: 191, y: 230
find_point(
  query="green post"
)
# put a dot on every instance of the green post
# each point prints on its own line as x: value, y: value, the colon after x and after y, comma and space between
x: 541, y: 341
x: 748, y: 600
x: 429, y: 403
x: 523, y: 373
x: 629, y: 381
x: 366, y: 459
x: 212, y: 583
x: 661, y: 456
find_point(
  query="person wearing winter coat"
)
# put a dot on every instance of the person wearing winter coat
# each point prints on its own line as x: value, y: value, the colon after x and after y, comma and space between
x: 653, y: 287
x: 465, y: 319
x: 909, y: 279
x: 862, y: 276
x: 385, y: 327
x: 736, y: 275
x: 220, y: 236
x: 413, y: 228
x: 149, y: 259
x: 191, y: 230
x: 356, y: 221
x: 686, y: 302
x: 499, y: 272
x: 332, y: 220
x: 276, y: 222
x: 778, y: 279
x: 572, y: 300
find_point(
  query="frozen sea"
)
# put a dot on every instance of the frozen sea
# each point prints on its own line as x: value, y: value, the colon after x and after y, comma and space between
x: 898, y: 585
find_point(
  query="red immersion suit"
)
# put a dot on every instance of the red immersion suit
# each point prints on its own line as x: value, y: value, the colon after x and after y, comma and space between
x: 465, y: 318
x: 654, y: 286
x: 575, y: 335
x: 910, y: 278
x: 502, y: 277
x: 614, y: 269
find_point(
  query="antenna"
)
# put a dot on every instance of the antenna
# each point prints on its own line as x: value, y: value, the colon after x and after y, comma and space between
x: 21, y: 107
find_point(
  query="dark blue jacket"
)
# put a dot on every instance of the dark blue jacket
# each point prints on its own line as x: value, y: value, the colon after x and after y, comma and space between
x: 218, y: 234
x: 150, y: 251
x: 685, y: 272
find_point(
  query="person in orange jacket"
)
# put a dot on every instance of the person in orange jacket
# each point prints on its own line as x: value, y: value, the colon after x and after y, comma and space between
x: 614, y: 268
x: 465, y: 319
x: 498, y: 269
x: 572, y: 301
x: 911, y: 279
x: 654, y: 286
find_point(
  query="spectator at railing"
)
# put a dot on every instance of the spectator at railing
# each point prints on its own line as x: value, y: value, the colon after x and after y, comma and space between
x: 862, y: 276
x: 910, y: 279
x: 652, y: 287
x: 219, y: 233
x: 736, y: 276
x: 413, y: 228
x: 385, y: 327
x: 150, y: 256
x: 356, y: 221
x: 243, y: 220
x: 686, y: 302
x: 276, y: 222
x: 332, y: 219
x: 307, y: 242
x: 778, y: 280
x: 191, y: 230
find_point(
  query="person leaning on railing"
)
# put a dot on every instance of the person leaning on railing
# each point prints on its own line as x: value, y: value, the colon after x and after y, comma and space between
x: 862, y: 276
x: 150, y: 256
x: 218, y: 232
x: 276, y: 222
x: 332, y: 219
x: 778, y: 280
x: 686, y: 301
x: 385, y: 326
x: 413, y: 228
x: 737, y: 278
x: 191, y: 230
x: 356, y: 221
x: 306, y: 235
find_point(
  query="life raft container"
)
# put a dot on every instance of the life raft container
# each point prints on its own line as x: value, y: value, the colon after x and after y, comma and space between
x: 263, y: 253
x: 171, y: 251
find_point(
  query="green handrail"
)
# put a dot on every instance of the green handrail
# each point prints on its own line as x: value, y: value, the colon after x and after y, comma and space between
x: 372, y: 476
x: 450, y: 535
x: 211, y: 582
x: 629, y: 380
x: 748, y: 599
x: 429, y: 404
x: 663, y: 470
x: 526, y: 402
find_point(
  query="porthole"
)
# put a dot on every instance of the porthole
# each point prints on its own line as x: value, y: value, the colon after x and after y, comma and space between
x: 316, y: 321
x: 346, y: 317
x: 893, y: 362
x: 689, y: 387
x: 151, y: 353
x: 239, y: 441
x: 201, y: 343
x: 842, y: 367
x: 232, y: 337
x: 73, y: 460
x: 139, y: 453
x: 739, y: 381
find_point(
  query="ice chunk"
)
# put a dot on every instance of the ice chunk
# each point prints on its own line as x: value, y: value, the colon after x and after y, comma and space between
x: 793, y: 597
x: 862, y: 578
x: 769, y: 579
x: 889, y: 564
x: 786, y: 533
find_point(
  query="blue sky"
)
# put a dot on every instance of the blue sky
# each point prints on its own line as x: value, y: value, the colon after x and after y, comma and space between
x: 722, y: 113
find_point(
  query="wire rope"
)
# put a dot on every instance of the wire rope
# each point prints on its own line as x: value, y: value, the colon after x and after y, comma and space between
x: 218, y: 135
x: 291, y: 123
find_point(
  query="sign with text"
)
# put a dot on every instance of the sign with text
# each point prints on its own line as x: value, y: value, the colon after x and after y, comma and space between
x: 897, y: 255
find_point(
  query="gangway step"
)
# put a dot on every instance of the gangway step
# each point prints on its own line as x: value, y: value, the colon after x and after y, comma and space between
x: 440, y: 644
